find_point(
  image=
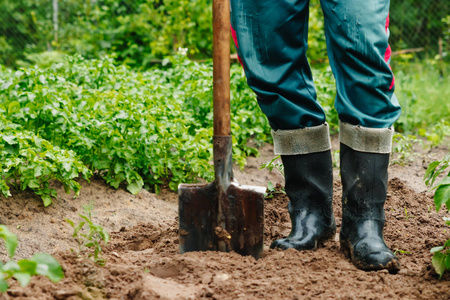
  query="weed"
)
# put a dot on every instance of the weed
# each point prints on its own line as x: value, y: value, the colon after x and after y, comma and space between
x: 92, y: 239
x: 39, y: 264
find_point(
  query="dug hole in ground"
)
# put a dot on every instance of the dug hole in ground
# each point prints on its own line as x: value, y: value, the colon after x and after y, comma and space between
x: 142, y: 259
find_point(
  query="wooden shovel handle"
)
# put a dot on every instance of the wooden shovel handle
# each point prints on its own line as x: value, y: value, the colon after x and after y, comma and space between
x: 221, y: 67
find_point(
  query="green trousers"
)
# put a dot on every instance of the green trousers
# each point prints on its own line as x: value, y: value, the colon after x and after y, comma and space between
x: 271, y: 40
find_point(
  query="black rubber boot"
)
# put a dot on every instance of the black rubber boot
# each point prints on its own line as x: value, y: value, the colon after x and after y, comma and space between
x: 309, y: 186
x: 364, y: 182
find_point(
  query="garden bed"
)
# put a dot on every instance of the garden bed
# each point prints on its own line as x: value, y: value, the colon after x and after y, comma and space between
x: 142, y: 259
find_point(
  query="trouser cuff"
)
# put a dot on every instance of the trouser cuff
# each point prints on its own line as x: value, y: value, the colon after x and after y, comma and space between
x: 365, y: 139
x: 301, y: 141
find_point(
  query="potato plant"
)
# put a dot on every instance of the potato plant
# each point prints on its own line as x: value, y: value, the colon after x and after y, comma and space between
x: 28, y: 161
x: 40, y: 264
x: 136, y: 129
x: 441, y: 254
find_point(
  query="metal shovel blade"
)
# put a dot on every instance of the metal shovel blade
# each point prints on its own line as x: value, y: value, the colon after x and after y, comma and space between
x: 222, y: 215
x: 239, y: 226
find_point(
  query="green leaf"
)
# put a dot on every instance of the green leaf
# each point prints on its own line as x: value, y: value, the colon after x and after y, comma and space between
x: 12, y: 149
x: 270, y: 187
x: 90, y: 244
x: 77, y: 228
x: 438, y: 262
x: 437, y: 249
x: 23, y: 278
x: 447, y: 244
x: 10, y: 268
x: 89, y: 221
x: 10, y: 240
x: 48, y: 266
x: 10, y: 139
x: 134, y: 187
x: 70, y: 222
x: 442, y: 196
x: 447, y: 262
x: 429, y: 172
x: 105, y: 236
x: 3, y: 284
x: 46, y: 199
x: 27, y: 266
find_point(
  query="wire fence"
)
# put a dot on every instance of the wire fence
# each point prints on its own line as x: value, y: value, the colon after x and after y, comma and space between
x: 151, y: 29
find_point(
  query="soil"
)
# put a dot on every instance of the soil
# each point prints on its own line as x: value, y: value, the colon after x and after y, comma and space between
x: 142, y: 259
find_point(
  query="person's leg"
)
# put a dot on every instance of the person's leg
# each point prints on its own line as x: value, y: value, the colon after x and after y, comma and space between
x: 270, y: 37
x: 357, y: 42
x: 271, y: 40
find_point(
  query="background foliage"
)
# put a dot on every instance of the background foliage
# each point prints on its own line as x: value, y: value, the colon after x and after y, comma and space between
x: 142, y: 32
x: 100, y: 89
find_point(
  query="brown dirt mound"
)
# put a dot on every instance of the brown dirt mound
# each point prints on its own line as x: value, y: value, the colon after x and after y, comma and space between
x: 143, y: 263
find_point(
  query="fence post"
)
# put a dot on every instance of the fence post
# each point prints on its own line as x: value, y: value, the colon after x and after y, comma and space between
x: 55, y: 19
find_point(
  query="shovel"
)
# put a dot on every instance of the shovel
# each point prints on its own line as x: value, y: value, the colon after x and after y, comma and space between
x: 222, y: 215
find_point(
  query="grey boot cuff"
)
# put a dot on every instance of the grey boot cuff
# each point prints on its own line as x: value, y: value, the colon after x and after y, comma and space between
x: 365, y: 139
x: 301, y: 141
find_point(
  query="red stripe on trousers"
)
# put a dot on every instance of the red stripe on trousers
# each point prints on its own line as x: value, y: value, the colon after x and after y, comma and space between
x: 387, y: 54
x: 233, y: 34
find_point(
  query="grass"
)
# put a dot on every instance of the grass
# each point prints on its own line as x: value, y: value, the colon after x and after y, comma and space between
x: 424, y: 96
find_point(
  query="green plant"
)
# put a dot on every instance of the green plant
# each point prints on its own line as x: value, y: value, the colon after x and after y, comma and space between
x: 441, y: 254
x: 272, y: 190
x: 442, y: 188
x: 336, y: 158
x: 273, y: 164
x: 92, y: 238
x: 406, y: 215
x: 134, y: 129
x: 403, y: 145
x: 398, y: 251
x: 28, y: 161
x: 422, y: 94
x: 39, y: 264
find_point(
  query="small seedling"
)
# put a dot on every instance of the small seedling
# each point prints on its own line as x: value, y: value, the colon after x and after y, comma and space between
x: 271, y: 191
x: 398, y: 251
x: 92, y: 239
x: 273, y: 165
x: 24, y: 269
x: 406, y: 215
